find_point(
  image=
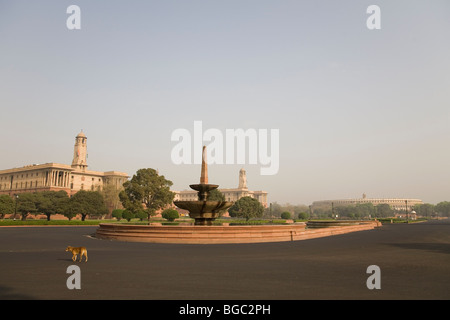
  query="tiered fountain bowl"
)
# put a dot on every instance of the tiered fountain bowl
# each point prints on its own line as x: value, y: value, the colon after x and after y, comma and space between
x: 204, y: 211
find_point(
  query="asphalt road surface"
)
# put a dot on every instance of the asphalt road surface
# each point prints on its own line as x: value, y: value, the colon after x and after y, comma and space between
x: 414, y: 262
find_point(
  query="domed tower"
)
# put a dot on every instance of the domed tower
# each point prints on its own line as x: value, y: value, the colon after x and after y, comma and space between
x: 242, y: 179
x: 80, y: 152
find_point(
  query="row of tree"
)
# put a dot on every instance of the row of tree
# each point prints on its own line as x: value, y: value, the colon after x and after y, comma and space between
x: 430, y: 210
x: 358, y: 211
x: 366, y: 210
x: 54, y: 202
x: 276, y: 210
x: 170, y: 214
x: 143, y: 196
x: 147, y: 193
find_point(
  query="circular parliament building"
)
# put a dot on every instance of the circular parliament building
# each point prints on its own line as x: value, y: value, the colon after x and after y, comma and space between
x: 394, y: 203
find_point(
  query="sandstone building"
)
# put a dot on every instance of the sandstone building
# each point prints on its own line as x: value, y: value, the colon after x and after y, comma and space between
x: 56, y: 177
x: 233, y: 194
x: 394, y: 203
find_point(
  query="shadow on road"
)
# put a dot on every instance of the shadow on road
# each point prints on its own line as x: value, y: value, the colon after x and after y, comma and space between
x: 434, y: 247
x: 7, y: 293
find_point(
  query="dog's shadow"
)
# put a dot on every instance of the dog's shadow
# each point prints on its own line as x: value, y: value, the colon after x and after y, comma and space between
x: 65, y: 259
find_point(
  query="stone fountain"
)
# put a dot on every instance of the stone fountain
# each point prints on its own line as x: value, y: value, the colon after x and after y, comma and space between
x: 204, y: 211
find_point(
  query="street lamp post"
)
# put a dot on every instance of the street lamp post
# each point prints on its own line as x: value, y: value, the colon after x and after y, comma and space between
x: 407, y: 214
x: 332, y: 210
x: 15, y: 208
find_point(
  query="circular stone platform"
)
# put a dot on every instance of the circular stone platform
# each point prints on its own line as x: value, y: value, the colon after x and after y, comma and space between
x: 190, y: 234
x: 339, y: 223
x: 200, y: 234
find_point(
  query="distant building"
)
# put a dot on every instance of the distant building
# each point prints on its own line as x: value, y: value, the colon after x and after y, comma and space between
x: 394, y: 203
x: 230, y: 194
x: 55, y: 176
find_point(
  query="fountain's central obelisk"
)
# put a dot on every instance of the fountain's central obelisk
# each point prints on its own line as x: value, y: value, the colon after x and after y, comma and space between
x: 204, y: 211
x: 204, y: 173
x: 204, y: 187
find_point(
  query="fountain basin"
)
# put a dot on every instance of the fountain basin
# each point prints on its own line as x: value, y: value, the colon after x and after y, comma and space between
x: 204, y: 212
x: 203, y: 189
x: 200, y: 235
x: 222, y: 234
x: 338, y: 223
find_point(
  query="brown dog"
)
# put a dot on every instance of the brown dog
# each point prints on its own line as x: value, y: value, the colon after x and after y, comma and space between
x: 78, y: 251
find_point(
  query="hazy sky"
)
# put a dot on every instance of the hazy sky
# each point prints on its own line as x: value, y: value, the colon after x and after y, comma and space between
x: 358, y: 110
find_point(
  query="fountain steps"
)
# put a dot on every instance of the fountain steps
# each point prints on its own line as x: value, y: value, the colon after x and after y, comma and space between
x: 220, y: 234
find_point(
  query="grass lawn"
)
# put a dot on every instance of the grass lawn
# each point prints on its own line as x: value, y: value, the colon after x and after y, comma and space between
x: 42, y: 222
x: 10, y: 222
x: 231, y: 221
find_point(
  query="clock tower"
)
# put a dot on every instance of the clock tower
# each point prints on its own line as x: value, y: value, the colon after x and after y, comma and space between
x: 80, y: 152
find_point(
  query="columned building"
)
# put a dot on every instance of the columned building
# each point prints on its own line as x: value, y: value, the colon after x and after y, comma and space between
x: 394, y: 203
x: 230, y: 194
x: 55, y: 176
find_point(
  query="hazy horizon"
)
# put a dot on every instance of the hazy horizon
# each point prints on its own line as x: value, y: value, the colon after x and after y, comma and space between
x: 358, y: 110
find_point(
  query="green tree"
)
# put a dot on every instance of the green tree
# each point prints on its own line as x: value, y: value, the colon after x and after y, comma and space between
x: 443, y: 208
x: 246, y: 207
x: 216, y: 195
x: 87, y: 203
x: 117, y: 213
x: 425, y: 210
x: 303, y: 215
x: 26, y: 204
x: 285, y: 215
x: 6, y: 205
x: 365, y: 209
x: 170, y: 214
x: 147, y: 191
x: 71, y: 210
x: 127, y: 214
x: 300, y: 208
x: 383, y: 210
x: 277, y: 209
x: 51, y: 202
x: 141, y: 214
x: 346, y: 211
x: 322, y: 213
x: 111, y: 196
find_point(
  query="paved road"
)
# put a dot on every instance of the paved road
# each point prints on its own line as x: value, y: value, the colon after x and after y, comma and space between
x: 414, y: 261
